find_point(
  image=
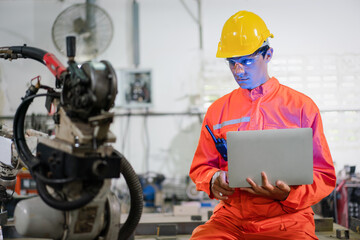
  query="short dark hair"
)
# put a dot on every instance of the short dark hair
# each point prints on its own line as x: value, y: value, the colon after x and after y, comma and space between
x: 261, y: 50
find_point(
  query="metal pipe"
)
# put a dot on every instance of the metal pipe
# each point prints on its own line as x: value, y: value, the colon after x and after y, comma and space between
x: 200, y: 25
x: 136, y: 45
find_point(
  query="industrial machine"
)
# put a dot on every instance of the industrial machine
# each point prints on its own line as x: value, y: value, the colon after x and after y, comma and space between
x: 74, y: 167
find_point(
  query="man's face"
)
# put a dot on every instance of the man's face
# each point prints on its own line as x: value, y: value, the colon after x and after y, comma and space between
x: 250, y: 71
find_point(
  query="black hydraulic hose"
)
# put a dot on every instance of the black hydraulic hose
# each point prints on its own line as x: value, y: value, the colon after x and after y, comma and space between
x: 63, y: 204
x: 54, y: 181
x: 29, y: 52
x: 19, y: 138
x: 46, y: 58
x: 136, y: 195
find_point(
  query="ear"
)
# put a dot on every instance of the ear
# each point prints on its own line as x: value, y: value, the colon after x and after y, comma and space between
x: 269, y: 55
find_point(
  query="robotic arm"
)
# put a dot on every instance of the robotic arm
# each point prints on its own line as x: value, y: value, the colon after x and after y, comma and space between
x: 73, y: 170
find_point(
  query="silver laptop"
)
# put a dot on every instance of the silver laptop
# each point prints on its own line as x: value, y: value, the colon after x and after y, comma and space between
x: 283, y: 154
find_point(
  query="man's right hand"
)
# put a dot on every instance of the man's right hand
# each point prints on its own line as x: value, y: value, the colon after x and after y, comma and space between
x: 220, y: 186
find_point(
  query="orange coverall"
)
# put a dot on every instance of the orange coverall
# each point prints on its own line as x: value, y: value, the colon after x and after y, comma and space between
x: 244, y: 215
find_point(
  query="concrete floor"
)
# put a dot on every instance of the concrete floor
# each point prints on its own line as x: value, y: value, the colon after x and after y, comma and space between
x: 167, y: 218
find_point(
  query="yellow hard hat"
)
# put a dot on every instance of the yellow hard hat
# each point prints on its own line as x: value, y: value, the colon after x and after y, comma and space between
x: 242, y: 34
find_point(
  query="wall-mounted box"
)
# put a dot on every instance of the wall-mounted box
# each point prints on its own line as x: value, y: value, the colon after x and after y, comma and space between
x: 134, y: 88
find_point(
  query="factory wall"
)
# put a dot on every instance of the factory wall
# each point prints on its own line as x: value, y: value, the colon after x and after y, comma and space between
x: 316, y: 42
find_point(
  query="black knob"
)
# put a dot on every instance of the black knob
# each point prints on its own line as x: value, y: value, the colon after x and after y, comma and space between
x: 70, y: 46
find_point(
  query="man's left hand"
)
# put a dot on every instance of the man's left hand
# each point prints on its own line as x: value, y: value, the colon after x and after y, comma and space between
x: 279, y: 192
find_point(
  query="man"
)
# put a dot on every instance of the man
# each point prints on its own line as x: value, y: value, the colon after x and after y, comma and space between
x: 266, y: 211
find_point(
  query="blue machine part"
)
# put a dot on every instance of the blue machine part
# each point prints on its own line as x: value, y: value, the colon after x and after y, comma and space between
x: 151, y: 183
x: 149, y: 192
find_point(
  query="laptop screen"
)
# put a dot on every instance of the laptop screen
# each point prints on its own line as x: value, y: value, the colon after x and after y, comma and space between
x: 283, y: 154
